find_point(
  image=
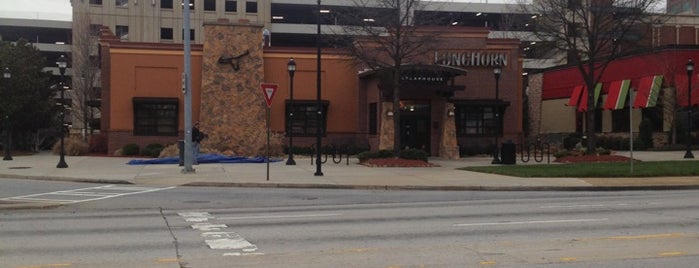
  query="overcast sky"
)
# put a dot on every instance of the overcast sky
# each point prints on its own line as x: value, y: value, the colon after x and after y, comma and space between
x: 36, y: 9
x: 61, y: 9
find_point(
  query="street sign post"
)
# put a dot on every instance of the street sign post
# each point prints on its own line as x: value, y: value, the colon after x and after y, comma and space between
x: 268, y: 90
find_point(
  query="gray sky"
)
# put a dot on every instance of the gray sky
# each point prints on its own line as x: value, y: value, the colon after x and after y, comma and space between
x: 36, y: 9
x: 61, y: 9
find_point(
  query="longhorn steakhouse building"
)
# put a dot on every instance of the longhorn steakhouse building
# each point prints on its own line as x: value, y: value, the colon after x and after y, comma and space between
x: 448, y: 96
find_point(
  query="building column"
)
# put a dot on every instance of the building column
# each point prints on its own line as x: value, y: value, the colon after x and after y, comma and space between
x: 386, y: 130
x: 448, y: 145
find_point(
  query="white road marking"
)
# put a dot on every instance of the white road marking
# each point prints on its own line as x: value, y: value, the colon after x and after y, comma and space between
x: 221, y: 240
x: 527, y: 222
x: 278, y: 216
x: 195, y: 216
x: 208, y: 227
x: 90, y: 193
x: 584, y: 206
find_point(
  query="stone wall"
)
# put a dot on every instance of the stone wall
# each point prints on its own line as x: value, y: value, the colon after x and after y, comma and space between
x: 233, y: 110
x: 386, y: 127
x: 448, y: 146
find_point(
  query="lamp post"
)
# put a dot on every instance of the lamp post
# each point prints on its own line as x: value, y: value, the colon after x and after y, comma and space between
x: 291, y: 67
x: 6, y: 75
x: 62, y: 65
x: 497, y: 69
x: 319, y: 108
x: 690, y: 69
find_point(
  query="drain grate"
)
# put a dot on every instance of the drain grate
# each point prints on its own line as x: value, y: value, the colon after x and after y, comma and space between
x: 19, y: 167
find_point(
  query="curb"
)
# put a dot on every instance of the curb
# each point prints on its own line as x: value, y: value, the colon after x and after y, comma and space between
x: 446, y: 188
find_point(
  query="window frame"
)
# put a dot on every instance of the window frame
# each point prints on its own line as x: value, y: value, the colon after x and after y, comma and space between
x: 207, y: 5
x: 167, y: 6
x: 249, y: 7
x: 306, y: 124
x: 172, y: 34
x: 169, y: 120
x: 95, y: 2
x: 481, y: 118
x: 235, y: 6
x: 121, y: 34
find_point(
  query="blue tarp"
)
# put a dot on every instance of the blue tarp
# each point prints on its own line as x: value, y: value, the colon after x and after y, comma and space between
x: 202, y: 158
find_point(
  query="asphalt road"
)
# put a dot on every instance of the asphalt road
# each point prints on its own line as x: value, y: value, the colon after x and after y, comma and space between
x: 136, y: 226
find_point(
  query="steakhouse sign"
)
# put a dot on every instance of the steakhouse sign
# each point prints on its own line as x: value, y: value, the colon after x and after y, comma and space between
x: 470, y: 58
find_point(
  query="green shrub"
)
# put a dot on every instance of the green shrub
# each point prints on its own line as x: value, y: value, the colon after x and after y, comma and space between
x: 415, y: 154
x: 571, y: 140
x: 363, y: 156
x: 152, y: 150
x: 561, y: 153
x: 130, y: 149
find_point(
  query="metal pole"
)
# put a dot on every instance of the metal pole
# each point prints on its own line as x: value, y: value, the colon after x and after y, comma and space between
x: 319, y: 145
x: 690, y: 69
x: 630, y: 132
x: 188, y: 150
x: 62, y: 160
x: 496, y: 72
x: 291, y: 67
x: 268, y: 127
x: 62, y: 65
x: 8, y: 134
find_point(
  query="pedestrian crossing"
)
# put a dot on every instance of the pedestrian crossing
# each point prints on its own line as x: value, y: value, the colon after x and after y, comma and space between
x: 84, y: 194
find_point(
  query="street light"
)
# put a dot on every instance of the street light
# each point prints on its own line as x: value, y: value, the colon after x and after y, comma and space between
x: 497, y: 69
x: 690, y: 69
x: 62, y: 65
x: 291, y: 67
x: 319, y: 108
x: 6, y: 75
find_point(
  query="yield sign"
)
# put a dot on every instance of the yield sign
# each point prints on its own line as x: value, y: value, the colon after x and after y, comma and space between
x: 268, y: 90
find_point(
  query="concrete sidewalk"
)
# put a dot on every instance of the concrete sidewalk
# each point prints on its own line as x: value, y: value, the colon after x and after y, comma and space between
x: 339, y: 176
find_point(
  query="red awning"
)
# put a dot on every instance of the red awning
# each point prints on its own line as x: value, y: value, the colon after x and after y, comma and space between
x: 648, y: 91
x: 583, y: 102
x: 616, y: 97
x: 681, y: 82
x: 575, y: 97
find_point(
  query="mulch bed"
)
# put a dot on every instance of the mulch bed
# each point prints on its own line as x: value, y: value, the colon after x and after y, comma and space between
x: 396, y: 162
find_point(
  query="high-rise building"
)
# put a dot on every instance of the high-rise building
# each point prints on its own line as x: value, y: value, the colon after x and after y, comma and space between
x: 684, y: 7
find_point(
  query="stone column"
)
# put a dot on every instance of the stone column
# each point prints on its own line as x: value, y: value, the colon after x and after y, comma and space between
x: 386, y: 131
x: 448, y: 145
x: 232, y: 110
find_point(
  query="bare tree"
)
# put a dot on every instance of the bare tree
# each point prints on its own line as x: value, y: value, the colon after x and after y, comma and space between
x: 385, y: 38
x: 85, y: 66
x: 591, y: 33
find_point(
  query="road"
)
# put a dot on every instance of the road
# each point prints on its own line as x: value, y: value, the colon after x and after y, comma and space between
x: 141, y: 226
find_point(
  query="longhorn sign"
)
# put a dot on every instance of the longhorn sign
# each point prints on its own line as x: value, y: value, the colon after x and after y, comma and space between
x: 233, y: 61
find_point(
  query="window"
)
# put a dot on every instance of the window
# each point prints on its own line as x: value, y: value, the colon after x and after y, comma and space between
x: 210, y: 5
x: 96, y: 2
x: 121, y: 3
x: 231, y: 6
x: 155, y: 116
x: 475, y: 120
x: 166, y: 34
x: 251, y: 7
x: 655, y: 116
x: 303, y: 118
x: 620, y: 119
x: 373, y: 120
x: 166, y: 4
x: 191, y: 34
x: 122, y: 32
